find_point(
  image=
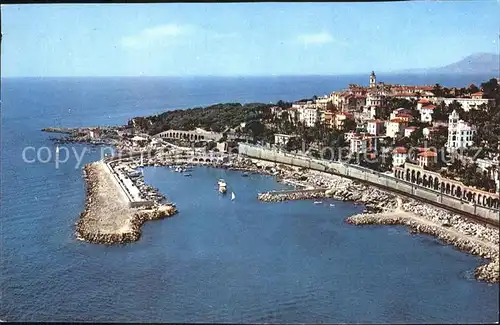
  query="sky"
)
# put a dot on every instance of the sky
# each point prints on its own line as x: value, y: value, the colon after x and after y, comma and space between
x: 242, y: 39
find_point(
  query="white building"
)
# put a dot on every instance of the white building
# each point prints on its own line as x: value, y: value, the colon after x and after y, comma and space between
x: 426, y: 112
x: 308, y: 116
x: 409, y: 130
x: 460, y: 133
x: 358, y: 144
x: 395, y: 127
x: 282, y: 139
x: 469, y: 103
x: 375, y: 127
x: 399, y: 156
x: 427, y: 158
x: 323, y: 102
x: 375, y: 99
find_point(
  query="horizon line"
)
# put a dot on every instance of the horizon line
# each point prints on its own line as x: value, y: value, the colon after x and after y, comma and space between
x: 258, y: 76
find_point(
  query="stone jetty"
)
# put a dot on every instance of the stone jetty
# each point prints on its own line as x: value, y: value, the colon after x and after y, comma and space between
x: 291, y: 195
x: 384, y: 208
x: 488, y: 272
x: 107, y: 218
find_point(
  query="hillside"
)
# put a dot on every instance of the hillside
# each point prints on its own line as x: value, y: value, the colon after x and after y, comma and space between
x: 478, y: 63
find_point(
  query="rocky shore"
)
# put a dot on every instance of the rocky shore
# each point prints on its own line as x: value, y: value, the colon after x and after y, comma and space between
x: 383, y: 208
x: 488, y: 272
x: 107, y: 219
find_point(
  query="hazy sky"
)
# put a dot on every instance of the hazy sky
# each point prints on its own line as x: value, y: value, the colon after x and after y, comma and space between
x: 243, y: 38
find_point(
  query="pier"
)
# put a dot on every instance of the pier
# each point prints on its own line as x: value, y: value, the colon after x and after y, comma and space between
x: 109, y: 216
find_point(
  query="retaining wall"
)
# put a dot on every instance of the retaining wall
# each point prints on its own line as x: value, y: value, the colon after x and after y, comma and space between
x: 385, y: 181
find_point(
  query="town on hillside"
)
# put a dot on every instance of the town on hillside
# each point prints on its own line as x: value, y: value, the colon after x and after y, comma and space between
x: 451, y: 133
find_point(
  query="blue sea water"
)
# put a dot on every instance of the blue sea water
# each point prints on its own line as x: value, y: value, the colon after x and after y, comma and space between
x: 217, y: 260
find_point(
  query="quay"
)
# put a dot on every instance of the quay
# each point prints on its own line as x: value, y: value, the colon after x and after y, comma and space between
x: 114, y: 212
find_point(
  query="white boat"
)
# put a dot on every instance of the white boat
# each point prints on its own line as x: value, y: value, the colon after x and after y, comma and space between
x: 222, y: 186
x: 57, y: 149
x: 232, y: 196
x: 317, y: 202
x: 332, y: 205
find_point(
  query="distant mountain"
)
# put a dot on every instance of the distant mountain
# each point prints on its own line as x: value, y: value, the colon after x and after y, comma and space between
x: 478, y: 63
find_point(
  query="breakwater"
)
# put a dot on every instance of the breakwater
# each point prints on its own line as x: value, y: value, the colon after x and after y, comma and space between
x: 107, y: 218
x: 385, y: 208
x: 488, y: 272
x: 339, y: 189
x: 280, y: 196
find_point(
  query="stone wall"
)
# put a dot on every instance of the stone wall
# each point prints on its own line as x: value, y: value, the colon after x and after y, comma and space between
x: 385, y: 181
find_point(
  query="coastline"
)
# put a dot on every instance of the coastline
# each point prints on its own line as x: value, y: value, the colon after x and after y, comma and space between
x: 382, y: 208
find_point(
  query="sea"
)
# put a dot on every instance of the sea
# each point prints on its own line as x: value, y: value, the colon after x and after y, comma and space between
x: 217, y: 260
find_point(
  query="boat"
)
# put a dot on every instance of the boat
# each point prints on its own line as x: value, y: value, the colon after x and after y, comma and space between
x: 135, y: 173
x: 222, y: 186
x: 317, y: 202
x: 187, y: 174
x: 57, y: 149
x: 232, y: 196
x: 332, y: 205
x: 244, y: 174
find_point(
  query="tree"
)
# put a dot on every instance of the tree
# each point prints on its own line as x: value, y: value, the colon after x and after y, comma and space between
x: 349, y: 125
x: 473, y: 89
x: 491, y: 89
x: 438, y: 90
x: 416, y: 137
x: 456, y: 106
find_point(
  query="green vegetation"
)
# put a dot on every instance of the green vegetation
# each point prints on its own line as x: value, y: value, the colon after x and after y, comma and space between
x: 470, y: 175
x: 216, y: 118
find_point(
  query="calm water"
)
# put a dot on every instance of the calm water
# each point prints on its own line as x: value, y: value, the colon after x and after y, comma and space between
x: 217, y: 260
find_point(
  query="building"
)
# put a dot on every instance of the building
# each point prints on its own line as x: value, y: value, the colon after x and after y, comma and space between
x: 309, y: 116
x: 375, y: 127
x: 395, y: 127
x: 358, y: 144
x: 282, y: 139
x: 399, y: 156
x: 469, y: 103
x: 323, y: 103
x: 478, y: 95
x: 460, y: 133
x: 341, y: 118
x: 426, y: 112
x: 409, y: 130
x: 401, y: 112
x: 427, y: 158
x: 375, y: 99
x: 95, y: 133
x: 328, y: 119
x: 428, y: 131
x: 373, y: 80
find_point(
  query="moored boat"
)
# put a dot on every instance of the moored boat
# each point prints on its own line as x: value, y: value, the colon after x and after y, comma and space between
x: 222, y: 186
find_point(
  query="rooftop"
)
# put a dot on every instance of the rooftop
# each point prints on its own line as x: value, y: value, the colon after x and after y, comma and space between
x: 399, y: 150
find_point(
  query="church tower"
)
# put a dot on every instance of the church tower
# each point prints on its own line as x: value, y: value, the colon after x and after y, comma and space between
x: 373, y: 80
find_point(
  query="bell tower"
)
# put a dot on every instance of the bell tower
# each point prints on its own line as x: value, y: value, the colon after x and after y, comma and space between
x: 373, y: 80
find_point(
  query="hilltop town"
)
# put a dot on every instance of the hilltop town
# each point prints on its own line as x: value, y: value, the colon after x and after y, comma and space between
x: 454, y: 132
x: 444, y: 139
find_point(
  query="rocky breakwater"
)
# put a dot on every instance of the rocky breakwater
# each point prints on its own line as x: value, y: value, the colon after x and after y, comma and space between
x: 278, y: 196
x: 451, y: 229
x: 107, y: 218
